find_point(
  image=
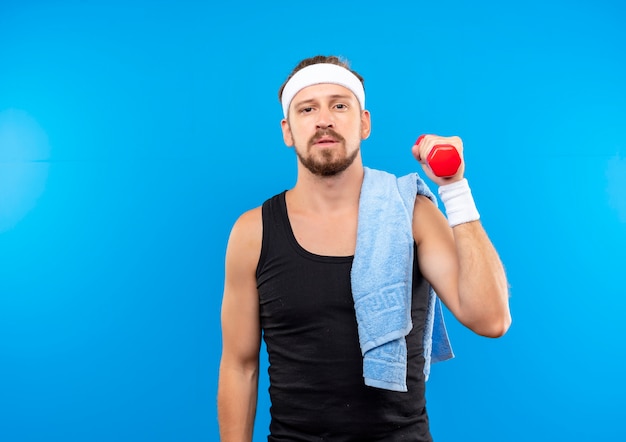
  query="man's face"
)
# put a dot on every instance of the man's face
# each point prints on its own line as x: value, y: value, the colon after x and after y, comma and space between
x: 326, y: 126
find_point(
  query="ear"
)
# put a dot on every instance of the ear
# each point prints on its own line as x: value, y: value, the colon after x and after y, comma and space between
x: 366, y: 124
x: 287, y: 137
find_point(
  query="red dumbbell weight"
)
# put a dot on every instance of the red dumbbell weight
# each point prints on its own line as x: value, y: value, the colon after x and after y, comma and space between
x: 444, y: 160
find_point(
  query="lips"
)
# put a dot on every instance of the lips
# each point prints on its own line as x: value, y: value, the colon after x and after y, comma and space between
x: 325, y: 141
x: 326, y: 138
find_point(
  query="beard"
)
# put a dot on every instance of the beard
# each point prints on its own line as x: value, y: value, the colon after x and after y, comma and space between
x: 327, y: 162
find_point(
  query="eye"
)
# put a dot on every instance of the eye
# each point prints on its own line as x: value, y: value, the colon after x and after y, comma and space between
x: 306, y: 110
x: 341, y: 106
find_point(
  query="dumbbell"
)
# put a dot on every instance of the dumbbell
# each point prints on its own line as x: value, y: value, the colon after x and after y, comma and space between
x: 443, y: 159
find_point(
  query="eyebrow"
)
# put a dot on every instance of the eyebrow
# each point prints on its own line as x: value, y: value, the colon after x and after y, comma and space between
x: 331, y: 97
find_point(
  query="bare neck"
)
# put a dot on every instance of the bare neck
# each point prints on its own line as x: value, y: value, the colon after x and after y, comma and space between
x: 327, y: 194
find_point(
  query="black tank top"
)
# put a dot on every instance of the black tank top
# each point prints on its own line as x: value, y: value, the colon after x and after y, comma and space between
x: 315, y: 364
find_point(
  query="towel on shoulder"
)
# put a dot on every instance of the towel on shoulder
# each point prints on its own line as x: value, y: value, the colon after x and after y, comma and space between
x: 381, y: 276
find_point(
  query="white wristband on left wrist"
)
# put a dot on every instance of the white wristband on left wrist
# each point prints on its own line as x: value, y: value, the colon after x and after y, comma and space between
x: 459, y: 203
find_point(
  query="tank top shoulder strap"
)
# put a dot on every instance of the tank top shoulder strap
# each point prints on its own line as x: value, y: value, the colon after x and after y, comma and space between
x: 275, y: 228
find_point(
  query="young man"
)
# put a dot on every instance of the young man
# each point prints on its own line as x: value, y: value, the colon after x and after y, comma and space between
x: 289, y: 275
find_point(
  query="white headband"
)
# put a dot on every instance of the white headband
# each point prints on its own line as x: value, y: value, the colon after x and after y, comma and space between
x: 318, y: 74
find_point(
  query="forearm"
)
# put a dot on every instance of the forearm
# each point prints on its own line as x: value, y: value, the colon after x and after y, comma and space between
x: 483, y: 287
x: 237, y: 399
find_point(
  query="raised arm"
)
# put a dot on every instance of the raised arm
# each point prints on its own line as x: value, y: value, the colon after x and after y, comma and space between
x: 241, y: 333
x: 460, y: 262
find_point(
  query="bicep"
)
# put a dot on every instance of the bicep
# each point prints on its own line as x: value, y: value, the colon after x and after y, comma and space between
x: 436, y: 252
x: 241, y: 330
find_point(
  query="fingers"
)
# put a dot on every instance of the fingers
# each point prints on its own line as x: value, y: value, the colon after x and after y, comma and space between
x: 416, y: 148
x: 440, y: 157
x: 425, y: 144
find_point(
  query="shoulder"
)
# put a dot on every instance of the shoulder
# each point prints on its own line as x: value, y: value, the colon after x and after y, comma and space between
x: 248, y: 227
x: 428, y: 221
x: 246, y: 236
x: 249, y: 219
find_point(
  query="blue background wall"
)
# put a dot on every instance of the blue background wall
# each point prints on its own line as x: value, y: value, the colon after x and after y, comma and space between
x: 132, y: 135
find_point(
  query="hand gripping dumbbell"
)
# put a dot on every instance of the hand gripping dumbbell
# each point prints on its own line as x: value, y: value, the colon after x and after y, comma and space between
x: 443, y: 159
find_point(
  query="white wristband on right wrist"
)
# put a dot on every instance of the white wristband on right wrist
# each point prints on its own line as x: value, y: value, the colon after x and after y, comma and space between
x: 459, y: 203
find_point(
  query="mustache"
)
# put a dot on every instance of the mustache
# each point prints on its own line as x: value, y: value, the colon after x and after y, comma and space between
x: 325, y: 133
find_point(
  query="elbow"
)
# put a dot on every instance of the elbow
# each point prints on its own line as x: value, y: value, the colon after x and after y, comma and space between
x: 495, y: 328
x: 485, y: 311
x: 493, y: 321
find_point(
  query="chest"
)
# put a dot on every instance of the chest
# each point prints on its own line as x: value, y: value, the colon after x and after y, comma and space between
x: 326, y: 235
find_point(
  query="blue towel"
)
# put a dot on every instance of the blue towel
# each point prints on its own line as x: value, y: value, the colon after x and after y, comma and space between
x: 382, y: 274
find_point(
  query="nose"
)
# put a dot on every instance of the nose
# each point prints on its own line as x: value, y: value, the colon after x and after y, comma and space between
x: 325, y: 119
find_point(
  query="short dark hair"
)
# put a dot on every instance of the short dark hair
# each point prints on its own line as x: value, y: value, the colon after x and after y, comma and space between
x: 331, y: 59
